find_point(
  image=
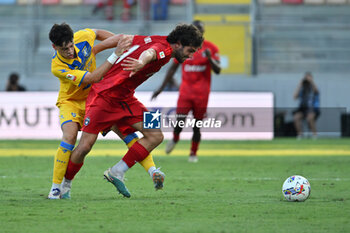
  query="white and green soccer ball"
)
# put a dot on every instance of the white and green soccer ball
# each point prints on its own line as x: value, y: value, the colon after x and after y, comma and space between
x: 296, y: 188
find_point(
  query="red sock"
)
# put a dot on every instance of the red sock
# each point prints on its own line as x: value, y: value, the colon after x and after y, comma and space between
x: 135, y: 154
x: 194, y: 148
x: 176, y: 137
x: 72, y: 170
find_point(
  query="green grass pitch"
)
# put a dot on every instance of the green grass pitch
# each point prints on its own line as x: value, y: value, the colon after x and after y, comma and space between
x: 237, y: 193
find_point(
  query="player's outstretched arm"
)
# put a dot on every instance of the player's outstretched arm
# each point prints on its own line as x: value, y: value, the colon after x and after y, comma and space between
x: 124, y: 43
x: 134, y: 65
x: 169, y: 77
x: 102, y: 34
x: 111, y: 42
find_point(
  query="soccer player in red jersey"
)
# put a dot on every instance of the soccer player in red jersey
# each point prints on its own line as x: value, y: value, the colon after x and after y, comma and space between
x: 112, y: 102
x: 194, y: 89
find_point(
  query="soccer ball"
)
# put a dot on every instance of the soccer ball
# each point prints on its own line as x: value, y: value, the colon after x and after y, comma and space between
x: 296, y: 188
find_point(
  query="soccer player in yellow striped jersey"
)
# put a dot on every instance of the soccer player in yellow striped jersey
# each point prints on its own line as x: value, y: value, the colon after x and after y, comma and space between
x: 75, y: 66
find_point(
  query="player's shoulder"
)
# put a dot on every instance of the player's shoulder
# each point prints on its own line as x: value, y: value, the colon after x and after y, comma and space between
x: 84, y: 31
x: 84, y: 35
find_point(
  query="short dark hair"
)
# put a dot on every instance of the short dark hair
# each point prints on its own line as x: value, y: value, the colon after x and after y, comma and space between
x: 187, y: 35
x: 61, y: 34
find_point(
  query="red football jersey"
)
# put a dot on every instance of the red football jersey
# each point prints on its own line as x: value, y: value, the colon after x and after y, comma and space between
x: 196, y: 72
x: 118, y: 85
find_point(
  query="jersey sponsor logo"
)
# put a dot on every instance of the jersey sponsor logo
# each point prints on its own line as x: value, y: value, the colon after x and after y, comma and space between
x: 87, y: 121
x: 71, y: 77
x: 194, y: 68
x: 148, y: 40
x: 151, y: 120
x: 73, y: 114
x: 161, y: 54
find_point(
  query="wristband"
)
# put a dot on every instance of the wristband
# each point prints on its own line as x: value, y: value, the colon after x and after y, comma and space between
x: 113, y: 58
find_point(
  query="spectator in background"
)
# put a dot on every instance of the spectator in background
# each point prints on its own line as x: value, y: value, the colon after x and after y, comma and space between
x: 13, y: 85
x: 309, y: 105
x: 160, y: 9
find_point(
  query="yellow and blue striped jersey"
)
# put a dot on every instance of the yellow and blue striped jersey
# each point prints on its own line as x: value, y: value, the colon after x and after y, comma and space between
x: 71, y: 72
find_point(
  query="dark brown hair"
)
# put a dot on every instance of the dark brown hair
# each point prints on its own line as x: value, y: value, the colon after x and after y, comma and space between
x: 61, y: 34
x: 187, y: 35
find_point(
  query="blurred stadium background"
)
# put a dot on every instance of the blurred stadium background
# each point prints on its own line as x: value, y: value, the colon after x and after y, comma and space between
x: 265, y: 46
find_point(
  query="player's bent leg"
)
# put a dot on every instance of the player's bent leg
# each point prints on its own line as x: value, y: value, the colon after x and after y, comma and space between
x: 60, y: 167
x: 148, y: 163
x: 62, y: 156
x: 152, y: 138
x: 176, y: 136
x: 136, y: 153
x: 86, y: 142
x: 75, y: 163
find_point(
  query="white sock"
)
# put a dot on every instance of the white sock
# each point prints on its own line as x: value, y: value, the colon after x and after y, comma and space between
x: 120, y: 168
x: 151, y: 170
x: 56, y: 186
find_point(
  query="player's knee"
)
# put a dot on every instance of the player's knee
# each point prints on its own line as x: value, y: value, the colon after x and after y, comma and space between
x: 155, y: 138
x: 158, y: 138
x: 84, y: 149
x: 70, y: 138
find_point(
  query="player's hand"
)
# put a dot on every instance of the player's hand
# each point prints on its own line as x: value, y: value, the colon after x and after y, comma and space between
x: 207, y: 53
x: 123, y: 44
x: 132, y: 64
x: 155, y: 94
